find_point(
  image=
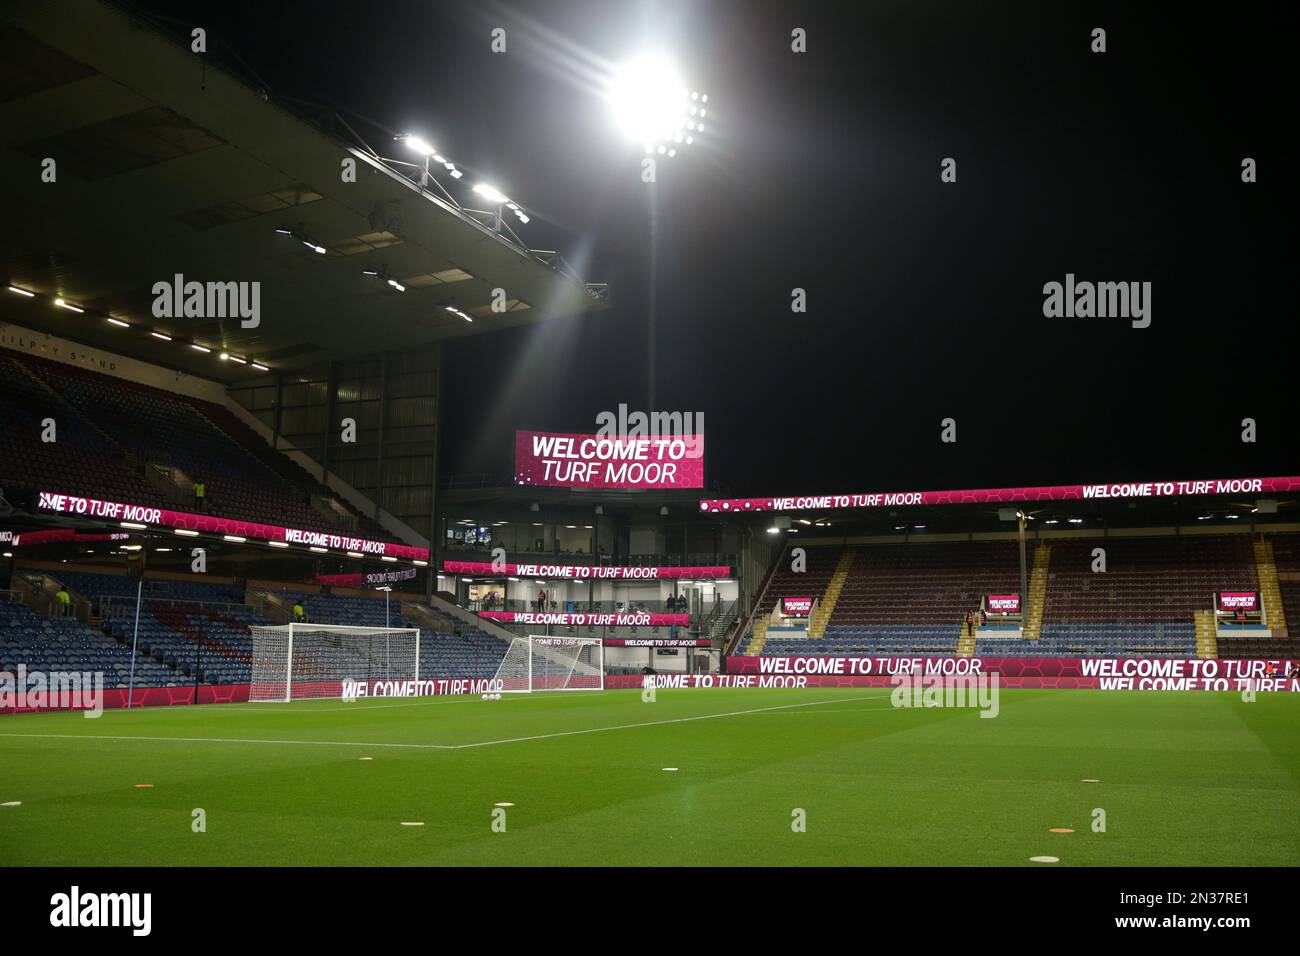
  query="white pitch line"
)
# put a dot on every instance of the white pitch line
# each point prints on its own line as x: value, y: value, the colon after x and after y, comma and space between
x: 481, y: 743
x: 231, y: 740
x: 239, y: 709
x: 657, y: 723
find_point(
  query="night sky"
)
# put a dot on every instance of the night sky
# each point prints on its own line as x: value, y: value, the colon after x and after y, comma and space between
x: 822, y: 171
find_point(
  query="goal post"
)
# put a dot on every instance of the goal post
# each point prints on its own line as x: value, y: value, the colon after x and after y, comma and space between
x: 541, y: 662
x: 313, y: 661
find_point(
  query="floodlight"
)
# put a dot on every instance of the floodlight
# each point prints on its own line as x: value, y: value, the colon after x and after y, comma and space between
x: 648, y: 98
x: 418, y: 145
x: 491, y: 193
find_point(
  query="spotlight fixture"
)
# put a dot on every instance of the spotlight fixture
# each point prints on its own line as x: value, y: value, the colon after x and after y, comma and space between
x: 426, y: 150
x: 652, y: 105
x: 455, y: 311
x: 496, y: 196
x: 383, y: 276
x: 310, y: 243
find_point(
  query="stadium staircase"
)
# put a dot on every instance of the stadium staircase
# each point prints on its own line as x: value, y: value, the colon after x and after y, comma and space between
x: 965, y: 643
x: 826, y: 606
x: 758, y: 639
x: 1037, y: 592
x: 1207, y: 645
x: 1269, y: 591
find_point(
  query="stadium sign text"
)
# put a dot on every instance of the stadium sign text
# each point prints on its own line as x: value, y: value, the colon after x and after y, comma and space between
x: 1099, y: 673
x: 581, y: 571
x: 1150, y: 489
x: 639, y: 619
x: 557, y: 460
x: 162, y: 517
x: 797, y: 606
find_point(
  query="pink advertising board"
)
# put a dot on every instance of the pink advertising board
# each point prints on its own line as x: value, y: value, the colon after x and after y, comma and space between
x: 1099, y: 673
x: 1247, y: 601
x: 564, y: 460
x: 597, y: 619
x: 119, y: 512
x: 655, y: 642
x: 583, y: 571
x: 893, y: 499
x: 797, y: 606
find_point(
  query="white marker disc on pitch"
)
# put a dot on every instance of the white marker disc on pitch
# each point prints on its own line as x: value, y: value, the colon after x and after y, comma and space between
x: 12, y: 803
x: 1044, y: 859
x: 412, y: 823
x: 1089, y: 780
x: 670, y: 769
x: 503, y: 804
x: 365, y: 758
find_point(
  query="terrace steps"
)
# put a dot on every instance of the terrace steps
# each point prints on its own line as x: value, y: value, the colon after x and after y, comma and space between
x: 1270, y: 593
x: 965, y: 643
x: 1207, y: 646
x: 1037, y: 596
x: 826, y: 606
x: 760, y: 637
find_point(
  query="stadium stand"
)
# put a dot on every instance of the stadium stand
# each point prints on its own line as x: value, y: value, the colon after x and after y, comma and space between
x: 83, y: 461
x: 448, y: 647
x: 64, y: 644
x: 1148, y: 579
x: 910, y: 598
x: 118, y: 430
x: 198, y: 630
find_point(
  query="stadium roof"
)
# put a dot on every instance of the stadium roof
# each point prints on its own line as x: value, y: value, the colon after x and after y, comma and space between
x: 167, y: 164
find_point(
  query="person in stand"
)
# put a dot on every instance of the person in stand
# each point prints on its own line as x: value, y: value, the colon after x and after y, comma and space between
x: 299, y: 612
x: 541, y: 600
x: 968, y: 624
x: 64, y: 599
x: 200, y: 496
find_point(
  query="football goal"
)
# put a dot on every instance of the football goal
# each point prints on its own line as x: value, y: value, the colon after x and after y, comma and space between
x: 537, y: 662
x: 313, y: 661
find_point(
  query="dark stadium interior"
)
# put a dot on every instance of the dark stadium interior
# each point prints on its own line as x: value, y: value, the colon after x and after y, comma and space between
x: 299, y: 333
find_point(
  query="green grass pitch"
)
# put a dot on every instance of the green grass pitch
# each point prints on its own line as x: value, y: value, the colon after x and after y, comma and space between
x: 1184, y: 779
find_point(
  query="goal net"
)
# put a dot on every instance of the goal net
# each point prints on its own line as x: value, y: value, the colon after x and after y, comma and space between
x: 312, y: 661
x: 551, y: 663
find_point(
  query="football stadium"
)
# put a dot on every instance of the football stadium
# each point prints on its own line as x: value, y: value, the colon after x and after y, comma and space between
x: 355, y: 500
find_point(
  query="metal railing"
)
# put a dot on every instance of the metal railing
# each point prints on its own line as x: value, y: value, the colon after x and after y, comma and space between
x: 116, y: 607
